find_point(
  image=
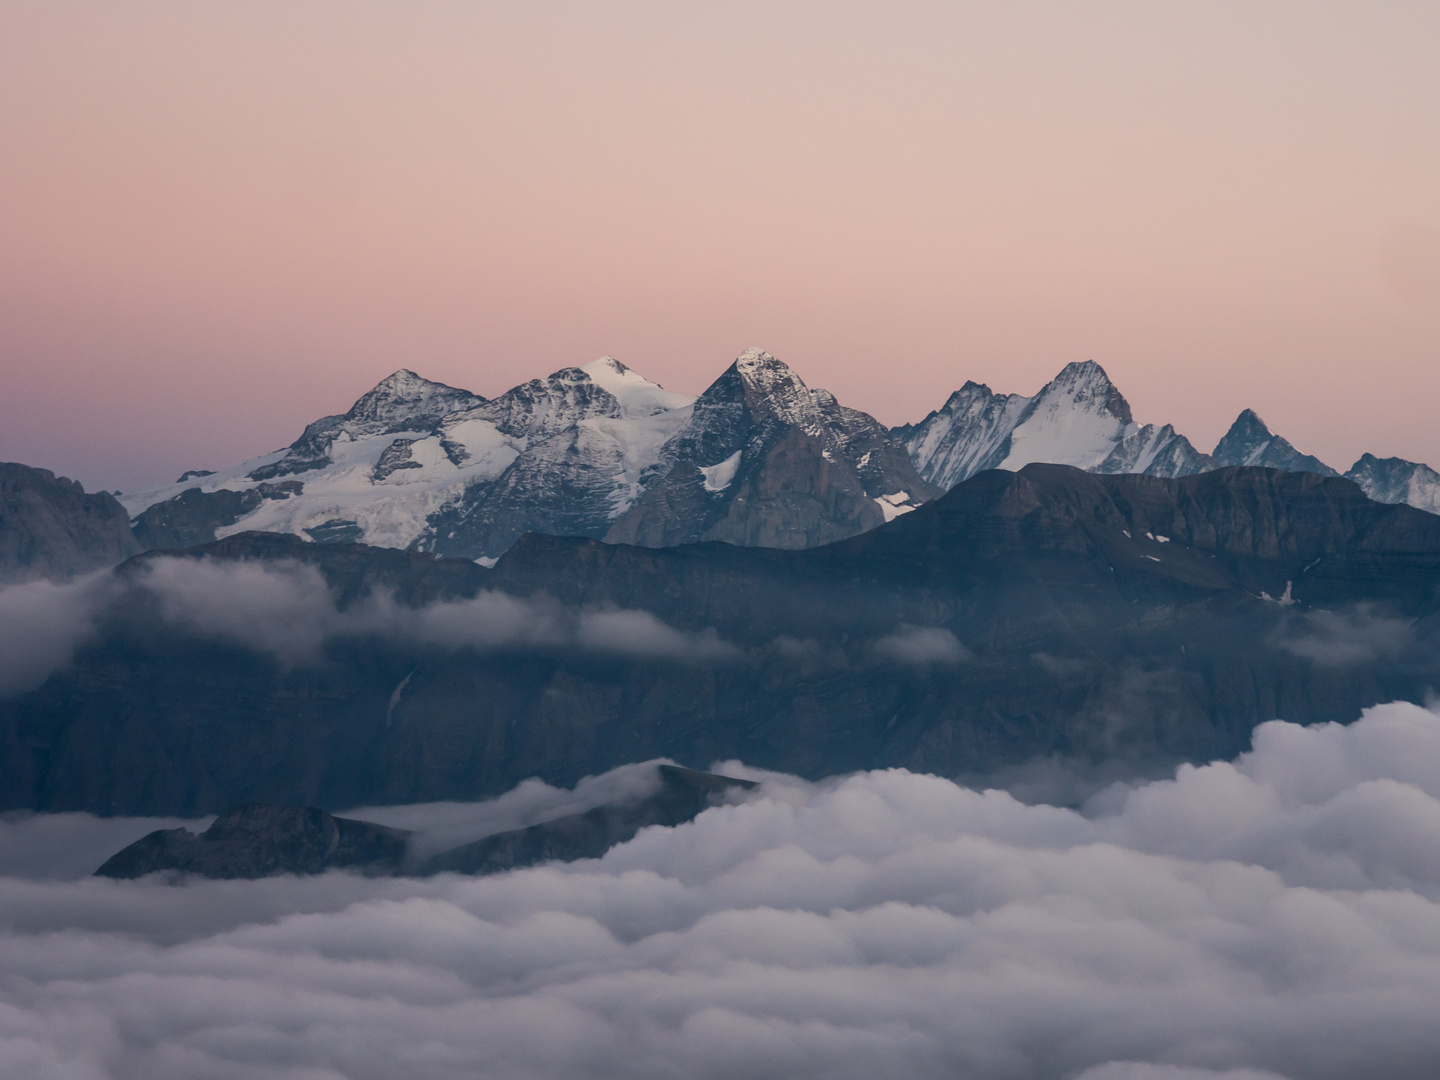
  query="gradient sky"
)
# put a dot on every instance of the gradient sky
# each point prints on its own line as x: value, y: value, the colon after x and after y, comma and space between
x: 219, y: 221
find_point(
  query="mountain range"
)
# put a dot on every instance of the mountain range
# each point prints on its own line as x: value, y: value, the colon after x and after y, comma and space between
x: 758, y: 459
x: 1079, y: 418
x: 1040, y: 615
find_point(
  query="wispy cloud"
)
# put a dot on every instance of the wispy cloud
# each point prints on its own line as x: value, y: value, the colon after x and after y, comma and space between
x: 922, y: 645
x: 285, y: 610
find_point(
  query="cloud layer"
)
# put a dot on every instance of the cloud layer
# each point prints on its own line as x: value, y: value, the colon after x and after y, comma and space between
x: 1274, y: 916
x: 284, y: 609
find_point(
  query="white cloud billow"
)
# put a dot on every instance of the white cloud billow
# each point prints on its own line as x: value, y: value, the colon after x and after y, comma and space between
x: 1278, y: 916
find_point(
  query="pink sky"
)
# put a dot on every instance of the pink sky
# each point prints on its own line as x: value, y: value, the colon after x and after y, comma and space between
x: 220, y: 221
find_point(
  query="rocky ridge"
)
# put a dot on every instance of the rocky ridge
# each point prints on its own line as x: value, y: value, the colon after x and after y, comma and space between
x: 1081, y: 419
x: 260, y: 840
x: 424, y: 466
x: 50, y: 529
x: 759, y: 459
x: 765, y: 461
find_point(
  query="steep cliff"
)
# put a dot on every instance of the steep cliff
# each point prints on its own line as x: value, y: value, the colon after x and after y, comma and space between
x: 50, y: 529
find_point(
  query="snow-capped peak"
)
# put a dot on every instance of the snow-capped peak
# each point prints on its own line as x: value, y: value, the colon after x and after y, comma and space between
x: 1077, y: 419
x: 770, y: 387
x: 405, y: 395
x: 1251, y: 442
x: 758, y: 369
x: 1086, y: 385
x: 637, y: 395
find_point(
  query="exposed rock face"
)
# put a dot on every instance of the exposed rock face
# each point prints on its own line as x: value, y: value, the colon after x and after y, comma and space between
x: 1250, y: 442
x: 1044, y: 612
x: 682, y: 795
x: 764, y: 461
x: 589, y: 434
x: 420, y: 465
x: 1079, y: 418
x: 400, y: 402
x: 257, y: 841
x: 1395, y: 480
x: 50, y: 529
x: 193, y: 516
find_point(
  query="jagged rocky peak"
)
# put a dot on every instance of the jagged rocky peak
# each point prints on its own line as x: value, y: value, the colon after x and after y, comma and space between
x: 768, y: 387
x: 1079, y: 418
x: 543, y: 407
x: 402, y: 401
x: 764, y: 460
x: 1248, y: 436
x: 1087, y: 385
x: 408, y: 400
x: 1395, y: 480
x: 1251, y: 442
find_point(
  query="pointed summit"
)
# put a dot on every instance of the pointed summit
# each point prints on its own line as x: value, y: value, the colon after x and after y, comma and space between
x: 1078, y: 419
x: 1086, y: 384
x: 404, y: 397
x: 1251, y: 442
x: 765, y: 460
x: 402, y: 401
x: 757, y: 369
x: 1247, y: 436
x: 767, y: 388
x: 637, y: 395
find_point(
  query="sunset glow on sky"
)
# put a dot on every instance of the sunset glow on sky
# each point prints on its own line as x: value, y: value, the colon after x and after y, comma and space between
x: 221, y: 221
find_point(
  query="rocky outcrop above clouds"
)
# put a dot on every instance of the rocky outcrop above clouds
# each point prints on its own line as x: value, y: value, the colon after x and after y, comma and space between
x: 261, y: 840
x: 257, y: 841
x: 764, y: 461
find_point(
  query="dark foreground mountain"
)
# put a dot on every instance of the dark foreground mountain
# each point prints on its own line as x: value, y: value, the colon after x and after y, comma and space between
x: 681, y: 795
x: 1039, y: 614
x: 51, y: 529
x: 259, y: 840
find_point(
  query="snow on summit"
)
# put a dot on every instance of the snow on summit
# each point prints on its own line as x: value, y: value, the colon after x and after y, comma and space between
x: 418, y: 464
x: 758, y: 458
x: 1079, y: 418
x: 637, y: 395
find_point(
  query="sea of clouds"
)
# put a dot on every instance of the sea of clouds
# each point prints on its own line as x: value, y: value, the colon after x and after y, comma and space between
x: 1274, y: 916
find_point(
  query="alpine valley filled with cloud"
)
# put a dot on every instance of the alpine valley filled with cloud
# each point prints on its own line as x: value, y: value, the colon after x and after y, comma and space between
x: 597, y: 730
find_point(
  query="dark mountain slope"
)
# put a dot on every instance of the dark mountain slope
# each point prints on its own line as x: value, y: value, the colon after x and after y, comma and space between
x: 1045, y: 612
x: 51, y: 529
